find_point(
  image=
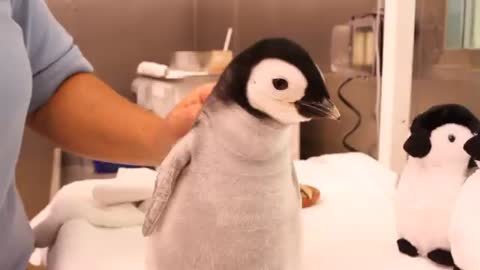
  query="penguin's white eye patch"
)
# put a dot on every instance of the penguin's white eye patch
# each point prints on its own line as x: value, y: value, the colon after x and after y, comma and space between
x: 280, y: 83
x: 276, y: 80
x: 451, y: 138
x: 273, y: 87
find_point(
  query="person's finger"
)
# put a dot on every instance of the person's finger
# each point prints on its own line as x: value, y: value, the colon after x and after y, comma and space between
x: 201, y: 93
x: 205, y: 92
x: 193, y: 110
x: 198, y: 96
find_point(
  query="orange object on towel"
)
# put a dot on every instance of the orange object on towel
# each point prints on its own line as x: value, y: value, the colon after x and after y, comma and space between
x: 310, y: 195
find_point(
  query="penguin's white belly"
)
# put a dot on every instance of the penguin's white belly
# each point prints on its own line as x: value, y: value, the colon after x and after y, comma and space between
x: 219, y: 222
x: 424, y: 203
x: 465, y: 226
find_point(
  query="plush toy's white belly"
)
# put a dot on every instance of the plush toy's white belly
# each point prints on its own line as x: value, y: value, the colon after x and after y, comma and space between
x: 465, y: 226
x: 217, y: 221
x: 424, y: 204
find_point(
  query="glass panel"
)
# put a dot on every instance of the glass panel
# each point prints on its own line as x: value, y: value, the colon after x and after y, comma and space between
x: 455, y: 25
x: 463, y: 24
x: 476, y: 24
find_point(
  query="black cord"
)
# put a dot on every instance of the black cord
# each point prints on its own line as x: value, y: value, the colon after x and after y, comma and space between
x: 355, y: 111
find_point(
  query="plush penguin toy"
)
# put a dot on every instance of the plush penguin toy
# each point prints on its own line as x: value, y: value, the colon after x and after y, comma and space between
x: 225, y: 196
x: 431, y: 180
x: 464, y: 232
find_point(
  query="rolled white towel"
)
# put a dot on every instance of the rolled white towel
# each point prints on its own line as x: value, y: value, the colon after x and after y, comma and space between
x: 131, y: 185
x: 152, y: 69
x: 75, y: 201
x: 159, y: 71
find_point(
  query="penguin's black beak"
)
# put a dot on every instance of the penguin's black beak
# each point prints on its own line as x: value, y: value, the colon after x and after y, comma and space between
x: 318, y: 109
x: 472, y: 147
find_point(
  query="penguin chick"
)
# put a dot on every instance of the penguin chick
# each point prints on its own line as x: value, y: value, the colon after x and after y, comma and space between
x: 429, y: 184
x: 225, y: 196
x: 464, y: 232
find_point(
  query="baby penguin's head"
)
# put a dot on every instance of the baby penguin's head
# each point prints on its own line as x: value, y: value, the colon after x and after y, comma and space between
x: 440, y: 133
x: 472, y: 147
x: 277, y: 78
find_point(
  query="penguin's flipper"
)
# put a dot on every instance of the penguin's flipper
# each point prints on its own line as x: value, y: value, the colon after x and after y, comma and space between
x: 441, y: 256
x: 456, y: 268
x: 168, y: 172
x: 296, y: 184
x: 405, y: 247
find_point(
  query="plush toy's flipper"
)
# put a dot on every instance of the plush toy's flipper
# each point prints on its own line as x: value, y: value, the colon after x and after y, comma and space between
x: 472, y: 164
x: 456, y: 268
x: 405, y: 247
x: 441, y: 256
x: 418, y: 145
x: 168, y: 172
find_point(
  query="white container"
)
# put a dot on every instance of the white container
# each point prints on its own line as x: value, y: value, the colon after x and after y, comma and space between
x: 161, y: 95
x: 163, y: 98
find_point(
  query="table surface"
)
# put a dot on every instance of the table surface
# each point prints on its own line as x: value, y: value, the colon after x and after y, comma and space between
x: 352, y: 227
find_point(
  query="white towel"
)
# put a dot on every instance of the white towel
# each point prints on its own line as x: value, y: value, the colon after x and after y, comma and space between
x: 152, y: 69
x: 77, y: 201
x: 131, y: 185
x: 159, y: 71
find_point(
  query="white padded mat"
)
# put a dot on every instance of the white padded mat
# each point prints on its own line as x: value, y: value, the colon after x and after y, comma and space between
x: 351, y: 228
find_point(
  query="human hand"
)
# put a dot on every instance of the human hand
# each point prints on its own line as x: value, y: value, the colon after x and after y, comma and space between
x: 183, y: 115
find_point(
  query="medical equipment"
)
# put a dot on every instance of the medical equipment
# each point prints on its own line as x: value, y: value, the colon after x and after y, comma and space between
x: 357, y: 53
x: 354, y: 46
x: 159, y: 87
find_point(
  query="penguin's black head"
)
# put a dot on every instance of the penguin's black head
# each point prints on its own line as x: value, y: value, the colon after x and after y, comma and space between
x: 277, y: 78
x: 442, y: 129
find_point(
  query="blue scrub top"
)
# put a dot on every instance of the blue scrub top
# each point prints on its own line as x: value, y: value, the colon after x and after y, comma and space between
x: 36, y: 56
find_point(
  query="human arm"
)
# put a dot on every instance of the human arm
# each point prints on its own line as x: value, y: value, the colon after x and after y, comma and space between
x: 79, y: 112
x: 87, y: 117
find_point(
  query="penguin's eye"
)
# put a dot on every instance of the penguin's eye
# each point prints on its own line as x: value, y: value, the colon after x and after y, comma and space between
x: 451, y: 138
x: 280, y: 84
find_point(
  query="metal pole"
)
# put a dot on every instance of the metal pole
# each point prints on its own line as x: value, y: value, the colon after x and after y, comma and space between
x: 396, y: 81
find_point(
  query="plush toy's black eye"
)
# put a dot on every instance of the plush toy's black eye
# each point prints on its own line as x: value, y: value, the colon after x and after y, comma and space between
x: 280, y: 84
x: 451, y: 138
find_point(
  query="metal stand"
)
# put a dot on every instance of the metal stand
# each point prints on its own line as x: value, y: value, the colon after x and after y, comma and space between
x: 396, y: 81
